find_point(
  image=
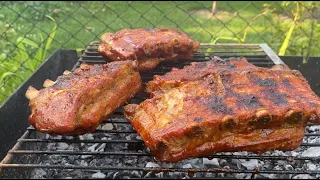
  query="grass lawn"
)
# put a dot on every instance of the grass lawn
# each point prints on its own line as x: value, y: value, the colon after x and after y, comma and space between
x: 79, y: 23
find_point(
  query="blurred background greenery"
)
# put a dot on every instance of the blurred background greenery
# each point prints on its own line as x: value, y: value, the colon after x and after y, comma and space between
x: 31, y: 31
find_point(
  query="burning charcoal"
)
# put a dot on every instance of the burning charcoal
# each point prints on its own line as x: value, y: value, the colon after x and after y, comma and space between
x: 128, y: 138
x: 136, y: 174
x: 237, y: 163
x: 115, y: 175
x: 62, y: 146
x: 98, y: 175
x: 264, y: 176
x: 313, y: 140
x: 159, y: 175
x: 187, y: 166
x: 85, y: 156
x: 88, y: 136
x: 212, y: 162
x: 68, y: 137
x: 303, y: 176
x: 312, y: 167
x: 93, y: 147
x: 279, y: 153
x: 39, y: 174
x: 193, y: 161
x: 83, y: 163
x: 175, y: 175
x: 240, y: 175
x: 57, y: 137
x: 250, y: 164
x: 243, y: 153
x: 312, y: 152
x: 152, y: 165
x: 223, y: 162
x: 282, y: 163
x: 314, y: 128
x: 288, y: 167
x: 274, y: 176
x: 210, y: 175
x: 277, y: 168
x: 293, y: 153
x: 107, y: 126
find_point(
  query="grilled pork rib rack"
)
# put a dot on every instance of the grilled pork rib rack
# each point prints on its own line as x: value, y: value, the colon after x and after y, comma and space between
x: 76, y: 103
x: 148, y: 46
x: 224, y: 106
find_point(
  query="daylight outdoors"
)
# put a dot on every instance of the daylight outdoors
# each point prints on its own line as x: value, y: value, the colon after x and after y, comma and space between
x: 32, y: 31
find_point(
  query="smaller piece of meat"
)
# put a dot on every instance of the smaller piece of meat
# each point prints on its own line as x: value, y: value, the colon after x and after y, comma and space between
x: 76, y: 103
x: 148, y: 46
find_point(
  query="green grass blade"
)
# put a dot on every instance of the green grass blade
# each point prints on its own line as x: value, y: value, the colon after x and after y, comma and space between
x: 286, y: 41
x: 51, y: 36
x: 39, y: 56
x: 24, y: 57
x: 30, y: 42
x: 7, y: 74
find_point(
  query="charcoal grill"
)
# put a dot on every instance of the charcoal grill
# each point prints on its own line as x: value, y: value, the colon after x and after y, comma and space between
x: 116, y: 150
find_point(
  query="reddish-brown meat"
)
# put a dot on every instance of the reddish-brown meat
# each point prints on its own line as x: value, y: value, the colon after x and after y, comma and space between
x: 195, y: 71
x: 78, y: 102
x: 148, y: 46
x: 249, y: 109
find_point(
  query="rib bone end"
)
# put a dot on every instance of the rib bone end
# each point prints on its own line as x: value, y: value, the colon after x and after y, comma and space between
x: 31, y: 93
x: 48, y: 83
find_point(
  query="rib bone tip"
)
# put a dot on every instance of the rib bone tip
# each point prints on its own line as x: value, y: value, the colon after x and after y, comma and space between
x: 48, y: 83
x: 66, y: 72
x: 31, y: 93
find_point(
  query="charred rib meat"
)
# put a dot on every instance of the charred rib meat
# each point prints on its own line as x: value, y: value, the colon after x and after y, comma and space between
x: 78, y: 102
x: 226, y: 108
x: 148, y: 46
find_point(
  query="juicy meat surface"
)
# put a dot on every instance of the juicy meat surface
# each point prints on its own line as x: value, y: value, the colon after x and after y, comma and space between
x: 148, y: 46
x: 195, y: 71
x: 250, y: 109
x: 78, y: 102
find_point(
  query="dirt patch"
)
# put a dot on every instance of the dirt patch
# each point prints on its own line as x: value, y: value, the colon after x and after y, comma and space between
x: 205, y: 13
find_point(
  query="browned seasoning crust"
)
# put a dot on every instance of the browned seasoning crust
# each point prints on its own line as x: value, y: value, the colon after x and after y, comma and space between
x: 148, y: 46
x: 78, y: 102
x: 250, y: 109
x: 195, y: 71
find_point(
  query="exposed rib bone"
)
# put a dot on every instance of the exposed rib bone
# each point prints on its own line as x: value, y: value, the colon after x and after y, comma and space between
x: 48, y: 83
x: 66, y: 72
x: 31, y: 93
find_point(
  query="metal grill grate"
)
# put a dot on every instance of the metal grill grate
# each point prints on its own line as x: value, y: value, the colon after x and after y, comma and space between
x: 121, y: 144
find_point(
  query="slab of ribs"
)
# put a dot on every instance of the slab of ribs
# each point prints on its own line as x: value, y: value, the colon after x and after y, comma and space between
x: 76, y: 103
x: 148, y: 46
x: 224, y: 106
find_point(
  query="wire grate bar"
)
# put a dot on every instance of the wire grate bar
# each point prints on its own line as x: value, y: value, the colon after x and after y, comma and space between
x: 64, y: 152
x: 78, y: 141
x: 187, y: 170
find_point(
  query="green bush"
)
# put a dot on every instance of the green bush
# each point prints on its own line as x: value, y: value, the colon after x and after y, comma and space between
x: 18, y: 67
